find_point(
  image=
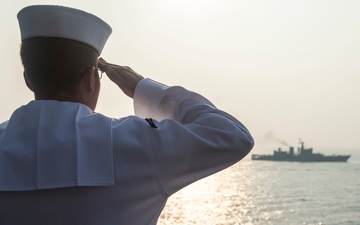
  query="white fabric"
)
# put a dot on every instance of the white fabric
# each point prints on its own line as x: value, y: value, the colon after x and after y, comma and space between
x: 63, y: 22
x: 75, y: 155
x: 149, y: 164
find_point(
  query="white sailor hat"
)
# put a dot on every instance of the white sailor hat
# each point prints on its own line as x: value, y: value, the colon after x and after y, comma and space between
x: 63, y: 22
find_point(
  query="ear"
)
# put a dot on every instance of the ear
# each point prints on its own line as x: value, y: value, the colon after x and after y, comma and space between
x: 89, y: 80
x: 28, y: 84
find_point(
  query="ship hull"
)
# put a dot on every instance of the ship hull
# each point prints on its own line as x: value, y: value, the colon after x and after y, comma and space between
x: 338, y: 158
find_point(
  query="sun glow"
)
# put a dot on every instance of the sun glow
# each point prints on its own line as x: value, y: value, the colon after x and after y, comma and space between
x: 188, y: 8
x: 186, y: 3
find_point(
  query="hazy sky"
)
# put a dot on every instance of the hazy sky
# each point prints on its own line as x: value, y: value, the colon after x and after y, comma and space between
x: 287, y: 69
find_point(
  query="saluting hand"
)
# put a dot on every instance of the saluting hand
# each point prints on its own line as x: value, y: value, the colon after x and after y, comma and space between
x: 122, y: 76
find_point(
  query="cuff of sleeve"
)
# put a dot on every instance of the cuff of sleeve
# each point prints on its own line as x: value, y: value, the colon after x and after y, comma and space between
x: 147, y: 97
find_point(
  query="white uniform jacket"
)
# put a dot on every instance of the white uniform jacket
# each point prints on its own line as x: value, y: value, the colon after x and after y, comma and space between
x: 62, y: 163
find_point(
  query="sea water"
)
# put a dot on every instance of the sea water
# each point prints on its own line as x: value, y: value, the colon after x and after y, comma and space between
x: 266, y: 192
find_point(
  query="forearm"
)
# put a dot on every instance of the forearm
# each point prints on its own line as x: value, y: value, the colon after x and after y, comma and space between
x: 159, y: 101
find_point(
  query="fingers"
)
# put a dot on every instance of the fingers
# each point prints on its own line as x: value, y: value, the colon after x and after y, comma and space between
x: 104, y: 64
x: 123, y: 76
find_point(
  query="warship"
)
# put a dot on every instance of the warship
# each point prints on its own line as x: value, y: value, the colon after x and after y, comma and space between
x: 303, y: 155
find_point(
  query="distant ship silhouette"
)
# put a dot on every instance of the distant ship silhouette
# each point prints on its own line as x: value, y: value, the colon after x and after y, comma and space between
x: 303, y: 155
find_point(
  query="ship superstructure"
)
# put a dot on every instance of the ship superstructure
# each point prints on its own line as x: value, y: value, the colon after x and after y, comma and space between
x: 303, y: 155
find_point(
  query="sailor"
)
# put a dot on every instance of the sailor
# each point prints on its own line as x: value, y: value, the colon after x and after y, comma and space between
x: 63, y: 163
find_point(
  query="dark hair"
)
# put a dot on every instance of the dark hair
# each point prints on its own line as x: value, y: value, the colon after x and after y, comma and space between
x: 56, y: 65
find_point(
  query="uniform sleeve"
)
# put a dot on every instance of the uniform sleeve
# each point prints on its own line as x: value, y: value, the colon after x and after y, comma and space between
x: 193, y: 138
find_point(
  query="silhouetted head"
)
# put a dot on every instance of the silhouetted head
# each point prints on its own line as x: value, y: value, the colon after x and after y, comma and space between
x: 59, y: 51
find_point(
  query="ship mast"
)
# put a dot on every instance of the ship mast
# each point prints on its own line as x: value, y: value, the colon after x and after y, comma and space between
x: 302, y: 146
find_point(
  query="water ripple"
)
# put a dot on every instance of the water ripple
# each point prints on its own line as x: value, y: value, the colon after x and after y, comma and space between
x: 253, y: 193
